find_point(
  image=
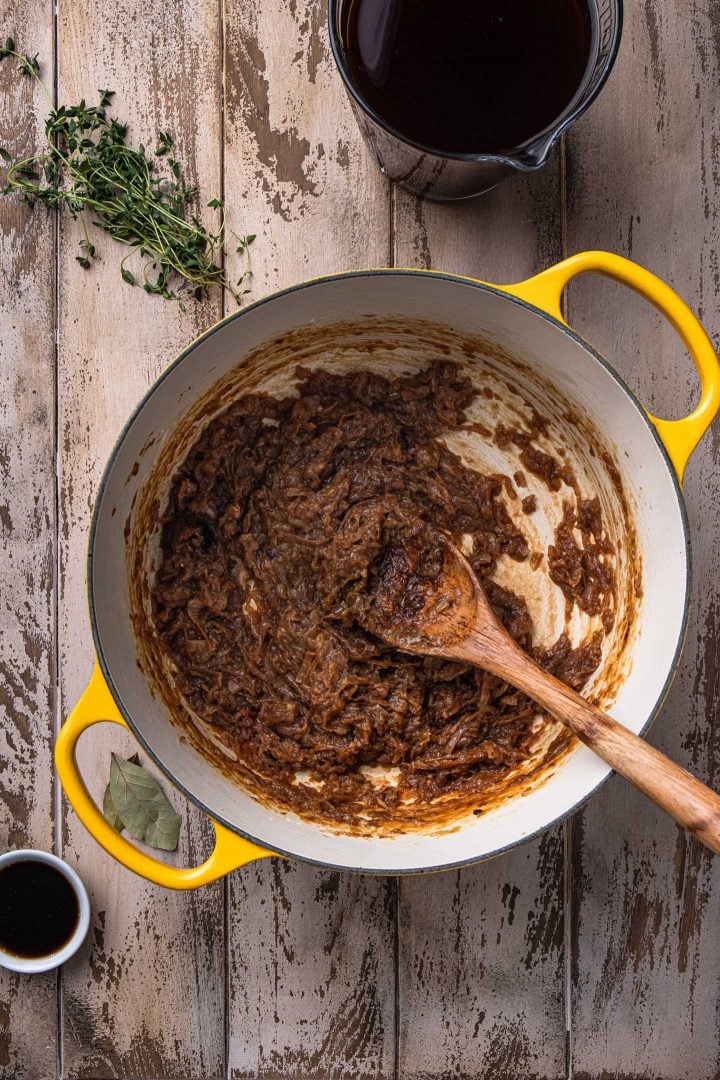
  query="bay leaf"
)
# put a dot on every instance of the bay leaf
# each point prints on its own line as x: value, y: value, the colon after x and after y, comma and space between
x: 142, y: 806
x: 110, y: 813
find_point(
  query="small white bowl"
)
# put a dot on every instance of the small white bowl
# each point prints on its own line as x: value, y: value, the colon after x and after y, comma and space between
x: 31, y: 965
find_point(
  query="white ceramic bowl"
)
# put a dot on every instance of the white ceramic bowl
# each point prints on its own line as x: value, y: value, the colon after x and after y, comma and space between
x: 32, y: 965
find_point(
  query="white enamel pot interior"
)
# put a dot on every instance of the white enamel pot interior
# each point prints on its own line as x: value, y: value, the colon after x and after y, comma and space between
x: 558, y: 356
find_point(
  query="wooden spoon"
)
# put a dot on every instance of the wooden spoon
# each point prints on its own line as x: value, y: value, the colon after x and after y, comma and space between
x: 448, y: 614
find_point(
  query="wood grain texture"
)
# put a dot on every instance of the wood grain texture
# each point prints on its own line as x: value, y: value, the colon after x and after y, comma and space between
x: 145, y: 997
x: 312, y: 952
x: 312, y: 974
x: 646, y: 899
x: 27, y: 532
x: 481, y: 951
x: 317, y: 961
x: 296, y: 170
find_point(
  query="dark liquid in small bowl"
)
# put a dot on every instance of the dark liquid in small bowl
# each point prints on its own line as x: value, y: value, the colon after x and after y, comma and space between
x: 39, y: 909
x: 468, y: 76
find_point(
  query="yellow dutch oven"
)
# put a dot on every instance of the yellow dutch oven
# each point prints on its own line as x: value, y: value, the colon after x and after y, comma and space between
x: 525, y: 321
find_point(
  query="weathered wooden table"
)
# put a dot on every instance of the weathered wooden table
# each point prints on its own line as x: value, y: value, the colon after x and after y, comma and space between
x: 592, y: 952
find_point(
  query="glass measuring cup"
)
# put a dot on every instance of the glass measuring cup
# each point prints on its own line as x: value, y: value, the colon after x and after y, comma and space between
x: 434, y: 174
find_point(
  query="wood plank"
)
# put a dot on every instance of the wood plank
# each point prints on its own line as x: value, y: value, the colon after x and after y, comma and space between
x: 647, y: 900
x: 312, y: 974
x: 146, y: 997
x: 28, y: 1029
x: 481, y: 950
x: 296, y: 171
x: 312, y: 977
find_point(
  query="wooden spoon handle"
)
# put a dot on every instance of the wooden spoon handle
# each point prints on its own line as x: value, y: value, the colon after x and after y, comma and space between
x: 691, y: 803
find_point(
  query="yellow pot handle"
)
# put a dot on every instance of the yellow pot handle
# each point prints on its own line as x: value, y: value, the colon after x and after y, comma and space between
x: 680, y: 437
x: 230, y: 852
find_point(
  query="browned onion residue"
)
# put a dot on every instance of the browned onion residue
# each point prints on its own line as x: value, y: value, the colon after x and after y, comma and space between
x: 273, y: 523
x: 579, y: 561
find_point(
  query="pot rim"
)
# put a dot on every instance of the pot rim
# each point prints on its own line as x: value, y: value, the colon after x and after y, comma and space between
x: 277, y: 295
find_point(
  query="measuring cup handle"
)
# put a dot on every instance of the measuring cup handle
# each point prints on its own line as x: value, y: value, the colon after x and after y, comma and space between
x: 544, y: 291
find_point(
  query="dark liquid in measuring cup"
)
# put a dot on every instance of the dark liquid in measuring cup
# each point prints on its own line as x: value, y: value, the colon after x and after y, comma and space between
x: 468, y: 76
x: 39, y: 910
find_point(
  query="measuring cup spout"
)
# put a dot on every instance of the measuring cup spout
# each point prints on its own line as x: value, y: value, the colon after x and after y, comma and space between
x: 536, y: 154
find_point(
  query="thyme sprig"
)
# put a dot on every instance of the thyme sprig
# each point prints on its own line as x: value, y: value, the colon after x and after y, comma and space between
x: 88, y: 168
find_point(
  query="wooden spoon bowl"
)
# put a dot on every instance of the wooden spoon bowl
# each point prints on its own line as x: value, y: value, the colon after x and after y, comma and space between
x: 438, y: 607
